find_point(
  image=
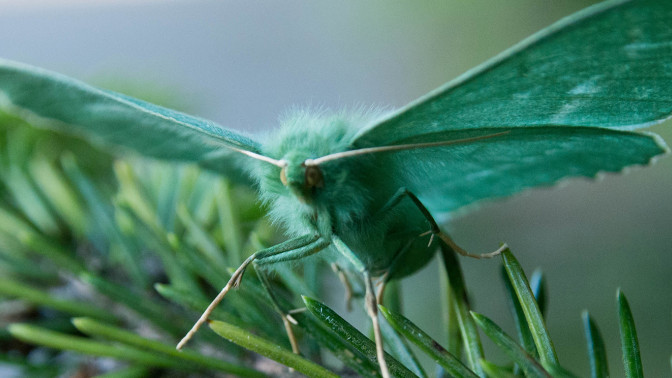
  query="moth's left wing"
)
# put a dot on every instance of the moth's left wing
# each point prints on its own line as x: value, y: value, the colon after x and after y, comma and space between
x: 451, y: 177
x: 56, y: 101
x: 609, y: 65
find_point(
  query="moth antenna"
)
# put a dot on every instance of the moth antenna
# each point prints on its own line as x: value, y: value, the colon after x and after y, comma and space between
x: 398, y: 147
x: 278, y: 163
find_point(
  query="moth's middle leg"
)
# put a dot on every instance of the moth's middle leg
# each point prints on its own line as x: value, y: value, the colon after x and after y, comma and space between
x: 345, y: 281
x: 369, y: 299
x: 434, y: 229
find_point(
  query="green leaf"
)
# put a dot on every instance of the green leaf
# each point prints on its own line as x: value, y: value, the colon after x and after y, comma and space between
x: 201, y: 239
x: 632, y: 361
x: 141, y: 304
x: 173, y: 263
x: 428, y: 345
x: 538, y: 286
x: 449, y: 317
x: 12, y: 224
x: 134, y: 195
x: 54, y: 186
x: 42, y: 298
x: 198, y: 304
x: 23, y: 367
x: 533, y: 315
x: 195, y: 263
x: 30, y: 201
x: 102, y: 212
x: 291, y: 279
x: 63, y: 258
x: 168, y: 189
x: 50, y: 249
x: 229, y: 223
x: 343, y: 349
x: 269, y: 349
x: 468, y: 329
x: 201, y: 201
x: 524, y: 335
x: 510, y: 347
x: 494, y: 371
x: 400, y: 349
x: 41, y: 336
x: 597, y: 353
x: 351, y: 335
x: 94, y: 328
x: 129, y: 372
x: 12, y: 266
x: 195, y: 302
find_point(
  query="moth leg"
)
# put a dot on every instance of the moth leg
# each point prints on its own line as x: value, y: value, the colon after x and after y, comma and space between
x: 382, y: 284
x: 346, y: 284
x: 446, y: 239
x: 266, y: 259
x: 369, y: 299
x: 390, y: 272
x: 434, y: 228
x: 372, y: 310
x: 287, y: 318
x: 290, y: 250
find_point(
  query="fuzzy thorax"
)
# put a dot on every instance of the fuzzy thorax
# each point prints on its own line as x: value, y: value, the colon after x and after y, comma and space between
x: 307, y: 198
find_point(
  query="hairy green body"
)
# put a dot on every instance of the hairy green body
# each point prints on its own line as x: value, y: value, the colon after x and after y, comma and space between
x: 349, y: 202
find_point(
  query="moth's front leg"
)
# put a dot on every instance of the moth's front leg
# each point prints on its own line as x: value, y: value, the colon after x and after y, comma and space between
x: 268, y: 259
x: 292, y: 249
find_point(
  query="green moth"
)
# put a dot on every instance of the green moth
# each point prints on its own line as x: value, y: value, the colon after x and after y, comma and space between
x: 362, y: 188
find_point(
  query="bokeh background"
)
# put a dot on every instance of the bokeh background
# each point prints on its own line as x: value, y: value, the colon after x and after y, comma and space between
x: 243, y: 63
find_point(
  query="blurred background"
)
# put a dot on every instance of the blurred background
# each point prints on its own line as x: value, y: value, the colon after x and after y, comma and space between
x: 242, y: 64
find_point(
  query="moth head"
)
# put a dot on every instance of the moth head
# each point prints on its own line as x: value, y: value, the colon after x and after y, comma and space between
x: 301, y: 177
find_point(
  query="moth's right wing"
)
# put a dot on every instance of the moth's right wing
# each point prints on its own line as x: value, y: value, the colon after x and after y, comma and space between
x: 609, y: 66
x: 48, y: 99
x: 557, y: 105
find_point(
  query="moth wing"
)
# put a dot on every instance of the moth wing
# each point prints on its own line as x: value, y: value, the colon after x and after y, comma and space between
x: 609, y: 65
x: 449, y: 178
x: 51, y: 100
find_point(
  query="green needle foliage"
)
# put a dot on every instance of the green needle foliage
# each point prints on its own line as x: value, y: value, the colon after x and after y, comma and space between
x: 119, y: 259
x: 270, y: 350
x: 428, y: 345
x: 596, y: 350
x: 121, y: 256
x: 629, y: 343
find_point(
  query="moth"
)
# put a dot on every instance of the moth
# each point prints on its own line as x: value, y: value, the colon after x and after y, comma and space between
x: 363, y: 188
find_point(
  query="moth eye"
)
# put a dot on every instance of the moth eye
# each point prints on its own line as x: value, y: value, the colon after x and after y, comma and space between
x: 314, y: 178
x: 283, y: 176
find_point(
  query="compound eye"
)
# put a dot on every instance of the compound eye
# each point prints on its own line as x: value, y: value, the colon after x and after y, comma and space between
x: 283, y: 176
x: 314, y: 178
